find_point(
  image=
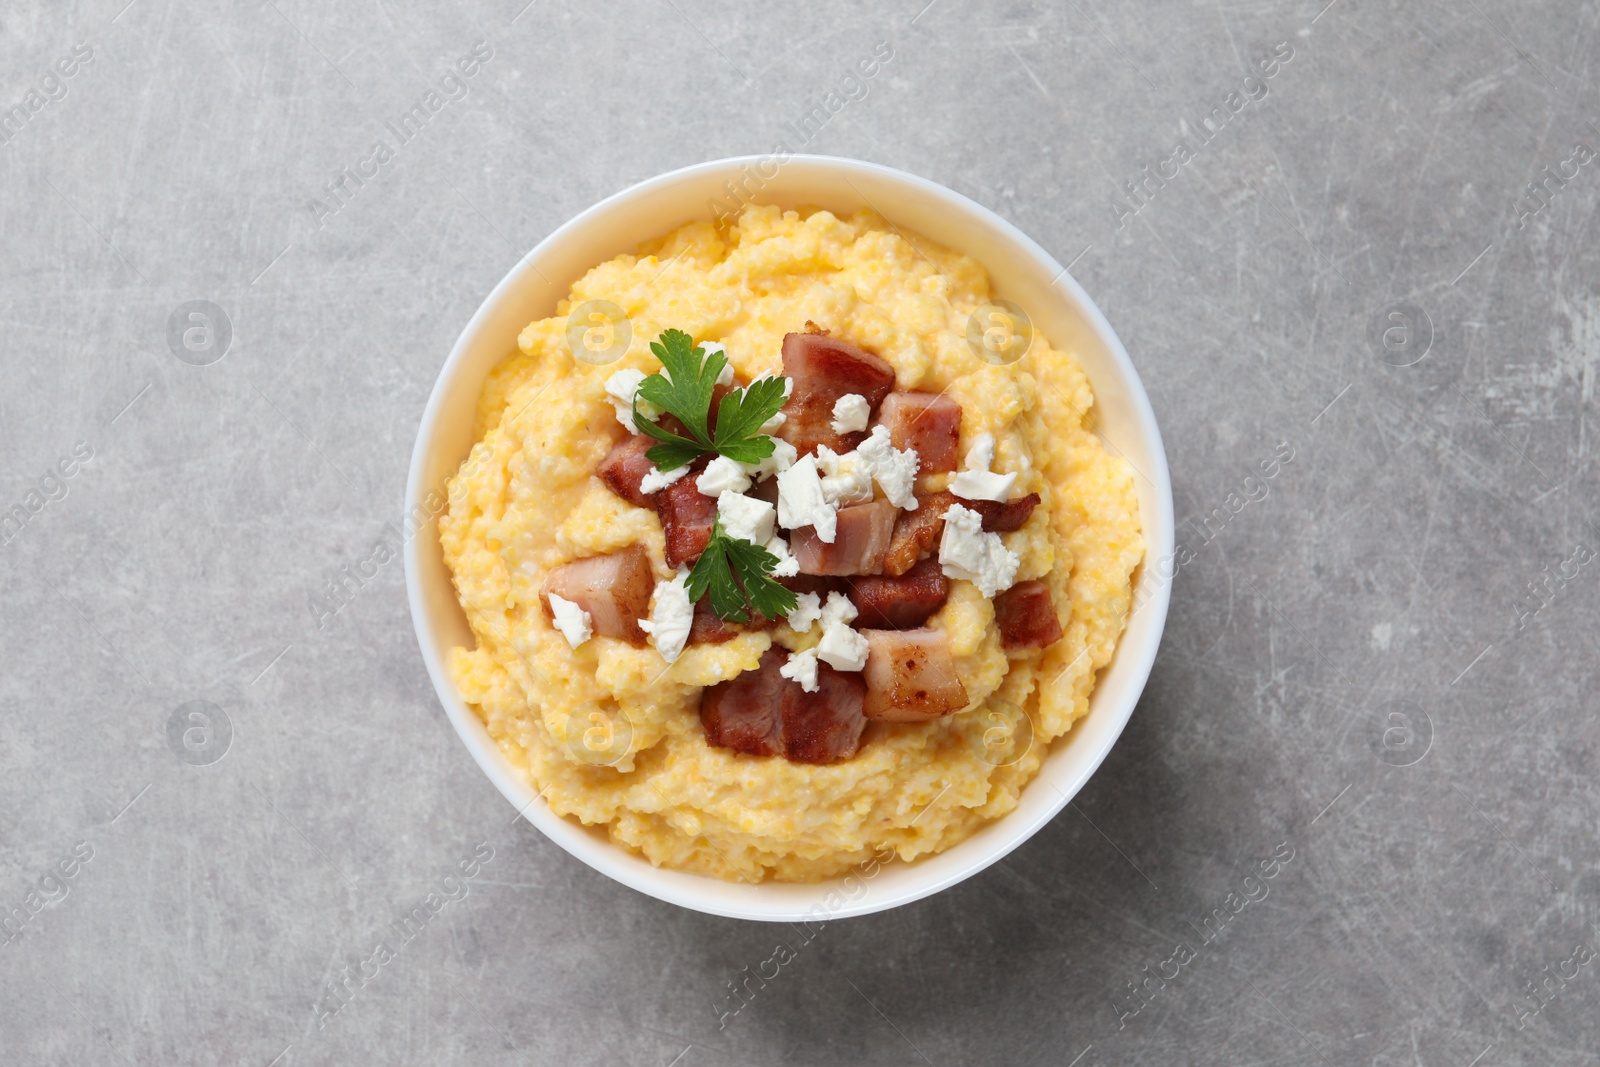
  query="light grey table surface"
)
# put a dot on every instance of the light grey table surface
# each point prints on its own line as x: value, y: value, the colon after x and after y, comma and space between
x: 1382, y: 660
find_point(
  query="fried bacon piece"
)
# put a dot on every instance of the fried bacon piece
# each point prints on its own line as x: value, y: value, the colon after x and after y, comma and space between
x: 819, y: 584
x: 930, y: 423
x: 824, y: 369
x: 744, y: 713
x: 917, y: 533
x: 1026, y: 617
x: 687, y: 516
x: 901, y: 602
x: 911, y: 676
x: 859, y: 546
x: 826, y: 725
x: 1004, y: 516
x: 614, y: 589
x: 625, y: 467
x: 761, y: 713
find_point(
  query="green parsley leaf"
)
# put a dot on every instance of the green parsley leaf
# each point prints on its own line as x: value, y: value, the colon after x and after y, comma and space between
x: 738, y: 575
x: 685, y: 389
x: 674, y: 452
x: 739, y: 419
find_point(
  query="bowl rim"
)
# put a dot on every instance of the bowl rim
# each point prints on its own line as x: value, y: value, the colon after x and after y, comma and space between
x: 617, y: 863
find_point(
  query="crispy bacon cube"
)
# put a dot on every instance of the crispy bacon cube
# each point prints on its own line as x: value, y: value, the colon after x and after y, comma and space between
x: 901, y: 602
x: 625, y: 467
x: 927, y: 422
x: 917, y: 533
x: 762, y: 713
x: 911, y: 676
x: 1026, y: 617
x: 744, y: 713
x: 687, y: 516
x: 824, y: 369
x: 614, y: 589
x: 859, y: 545
x: 826, y: 725
x: 1004, y: 516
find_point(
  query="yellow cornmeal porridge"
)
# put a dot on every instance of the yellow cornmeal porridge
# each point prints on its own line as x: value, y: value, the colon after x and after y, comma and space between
x: 527, y: 500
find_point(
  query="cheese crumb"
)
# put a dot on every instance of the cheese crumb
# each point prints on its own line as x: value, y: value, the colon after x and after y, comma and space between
x: 783, y: 456
x: 671, y: 616
x: 787, y: 566
x: 746, y: 518
x: 977, y: 482
x: 838, y: 611
x: 841, y: 647
x: 802, y: 668
x: 801, y: 503
x: 573, y: 622
x: 620, y: 390
x: 722, y: 475
x: 845, y: 479
x: 725, y: 375
x: 656, y: 480
x: 967, y: 552
x: 850, y: 413
x: 894, y: 469
x: 807, y: 610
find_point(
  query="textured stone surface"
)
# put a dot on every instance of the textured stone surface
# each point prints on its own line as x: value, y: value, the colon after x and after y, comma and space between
x: 1441, y: 860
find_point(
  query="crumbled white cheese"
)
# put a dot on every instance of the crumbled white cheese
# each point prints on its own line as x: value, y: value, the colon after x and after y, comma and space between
x: 845, y: 479
x: 802, y: 668
x: 967, y: 552
x: 801, y: 503
x: 977, y: 482
x: 620, y: 389
x: 841, y: 647
x: 783, y: 456
x: 894, y: 469
x: 850, y: 413
x: 573, y: 622
x: 656, y: 480
x: 807, y: 610
x: 722, y: 475
x: 671, y: 616
x: 787, y: 566
x: 840, y: 610
x: 725, y: 375
x: 746, y: 518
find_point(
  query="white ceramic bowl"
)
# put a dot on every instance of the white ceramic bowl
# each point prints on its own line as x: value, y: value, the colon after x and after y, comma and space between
x: 1023, y: 273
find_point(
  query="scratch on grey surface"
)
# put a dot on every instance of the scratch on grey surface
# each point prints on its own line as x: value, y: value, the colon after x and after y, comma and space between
x: 1251, y: 583
x: 1027, y: 70
x: 1232, y: 44
x: 1096, y: 27
x: 1473, y: 664
x: 1113, y: 844
x: 890, y: 1021
x: 1537, y: 869
x: 104, y: 1035
x: 1331, y: 803
x: 295, y: 827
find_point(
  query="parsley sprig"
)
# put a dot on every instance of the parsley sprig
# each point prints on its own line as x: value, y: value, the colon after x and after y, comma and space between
x: 685, y: 389
x: 738, y: 575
